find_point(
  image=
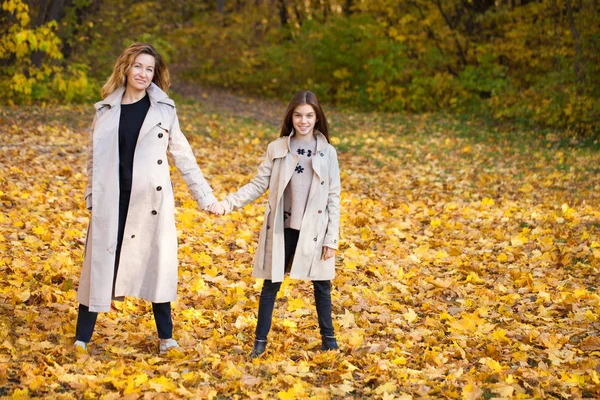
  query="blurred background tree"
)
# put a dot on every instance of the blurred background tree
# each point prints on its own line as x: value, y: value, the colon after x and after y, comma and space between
x: 533, y: 62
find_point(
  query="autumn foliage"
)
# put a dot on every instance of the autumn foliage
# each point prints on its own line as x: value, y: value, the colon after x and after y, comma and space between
x: 535, y: 63
x: 468, y: 268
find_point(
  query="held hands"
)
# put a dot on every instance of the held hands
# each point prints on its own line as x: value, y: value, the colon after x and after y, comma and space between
x: 328, y: 252
x: 216, y: 208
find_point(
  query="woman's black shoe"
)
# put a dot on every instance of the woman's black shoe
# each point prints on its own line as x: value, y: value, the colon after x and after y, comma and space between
x: 259, y: 348
x: 329, y: 343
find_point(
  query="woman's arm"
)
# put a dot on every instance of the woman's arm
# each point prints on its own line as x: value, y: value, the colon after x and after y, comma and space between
x: 184, y: 159
x: 90, y: 165
x: 253, y: 189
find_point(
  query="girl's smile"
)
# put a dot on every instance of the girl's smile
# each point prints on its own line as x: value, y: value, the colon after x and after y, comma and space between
x: 304, y: 120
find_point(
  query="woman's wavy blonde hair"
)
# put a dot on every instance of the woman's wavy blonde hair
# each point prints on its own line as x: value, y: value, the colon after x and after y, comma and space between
x: 118, y: 77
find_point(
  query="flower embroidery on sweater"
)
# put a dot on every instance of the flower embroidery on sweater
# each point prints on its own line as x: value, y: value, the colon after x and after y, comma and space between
x: 302, y: 151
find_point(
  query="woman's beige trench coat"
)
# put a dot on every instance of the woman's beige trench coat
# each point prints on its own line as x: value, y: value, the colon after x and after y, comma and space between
x: 148, y: 261
x: 321, y: 221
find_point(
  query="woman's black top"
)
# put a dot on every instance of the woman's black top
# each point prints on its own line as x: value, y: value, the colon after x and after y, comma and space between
x: 132, y: 118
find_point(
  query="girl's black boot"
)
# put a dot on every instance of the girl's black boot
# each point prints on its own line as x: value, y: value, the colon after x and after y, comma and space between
x: 259, y: 348
x: 329, y: 343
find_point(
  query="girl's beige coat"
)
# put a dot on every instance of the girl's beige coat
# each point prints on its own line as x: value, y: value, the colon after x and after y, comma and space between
x: 148, y: 262
x: 321, y: 221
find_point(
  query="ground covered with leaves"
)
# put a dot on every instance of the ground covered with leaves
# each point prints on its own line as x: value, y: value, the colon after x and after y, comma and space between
x: 469, y: 268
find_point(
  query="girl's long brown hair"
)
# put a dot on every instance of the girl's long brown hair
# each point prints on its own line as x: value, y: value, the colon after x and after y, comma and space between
x: 301, y: 98
x: 118, y: 77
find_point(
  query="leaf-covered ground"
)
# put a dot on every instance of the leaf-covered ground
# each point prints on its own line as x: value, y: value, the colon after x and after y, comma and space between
x: 469, y: 268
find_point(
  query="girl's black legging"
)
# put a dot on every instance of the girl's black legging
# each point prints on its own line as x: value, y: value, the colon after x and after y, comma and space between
x: 270, y: 289
x: 86, y: 319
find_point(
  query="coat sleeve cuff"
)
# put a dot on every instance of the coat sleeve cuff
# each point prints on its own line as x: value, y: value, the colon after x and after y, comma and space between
x: 226, y: 205
x: 206, y: 200
x: 332, y: 244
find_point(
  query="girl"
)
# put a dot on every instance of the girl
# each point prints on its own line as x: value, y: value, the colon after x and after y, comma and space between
x: 131, y: 248
x: 299, y: 235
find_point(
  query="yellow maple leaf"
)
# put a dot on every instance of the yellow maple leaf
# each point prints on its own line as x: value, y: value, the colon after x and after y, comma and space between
x: 526, y: 188
x: 471, y: 392
x: 500, y: 335
x: 505, y: 391
x: 20, y: 394
x: 474, y: 278
x: 410, y: 316
x: 295, y: 304
x: 388, y: 387
x: 573, y: 378
x: 491, y: 363
x: 288, y: 323
x: 487, y: 201
x: 203, y: 259
x: 211, y: 271
x: 356, y: 338
x: 343, y: 389
x: 161, y: 384
x: 422, y: 251
x: 347, y: 319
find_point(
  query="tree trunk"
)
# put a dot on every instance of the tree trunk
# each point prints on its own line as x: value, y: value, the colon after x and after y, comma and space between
x: 452, y: 23
x: 577, y: 40
x: 283, y: 14
x: 347, y: 7
x: 49, y: 10
x: 221, y: 6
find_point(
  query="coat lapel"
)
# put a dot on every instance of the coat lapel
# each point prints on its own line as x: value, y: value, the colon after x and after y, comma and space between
x: 288, y: 165
x: 153, y: 117
x: 318, y: 162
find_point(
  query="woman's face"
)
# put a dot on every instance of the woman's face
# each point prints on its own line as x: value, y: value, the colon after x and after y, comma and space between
x: 141, y: 72
x: 304, y: 119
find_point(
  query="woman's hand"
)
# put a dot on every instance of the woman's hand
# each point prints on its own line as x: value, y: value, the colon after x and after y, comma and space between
x: 216, y: 208
x: 328, y: 252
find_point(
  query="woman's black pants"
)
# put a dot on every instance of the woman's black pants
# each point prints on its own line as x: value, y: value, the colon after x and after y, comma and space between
x: 86, y: 319
x: 270, y: 289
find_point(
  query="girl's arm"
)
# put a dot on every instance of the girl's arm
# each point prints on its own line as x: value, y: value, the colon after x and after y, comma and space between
x: 184, y: 159
x: 253, y: 189
x: 333, y: 204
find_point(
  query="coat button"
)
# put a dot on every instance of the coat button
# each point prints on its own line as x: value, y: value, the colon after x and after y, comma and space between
x: 322, y: 182
x: 322, y: 154
x: 154, y: 212
x: 132, y: 236
x: 159, y: 188
x: 160, y: 135
x: 320, y: 211
x: 159, y: 162
x: 268, y: 226
x: 315, y: 239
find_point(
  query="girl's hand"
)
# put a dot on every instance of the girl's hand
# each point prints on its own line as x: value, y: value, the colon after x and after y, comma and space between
x: 328, y: 252
x: 216, y: 208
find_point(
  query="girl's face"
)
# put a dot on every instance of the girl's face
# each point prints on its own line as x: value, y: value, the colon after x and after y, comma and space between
x: 304, y: 119
x: 141, y: 72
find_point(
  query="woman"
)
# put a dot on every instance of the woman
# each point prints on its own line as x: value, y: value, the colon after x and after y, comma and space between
x: 131, y: 248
